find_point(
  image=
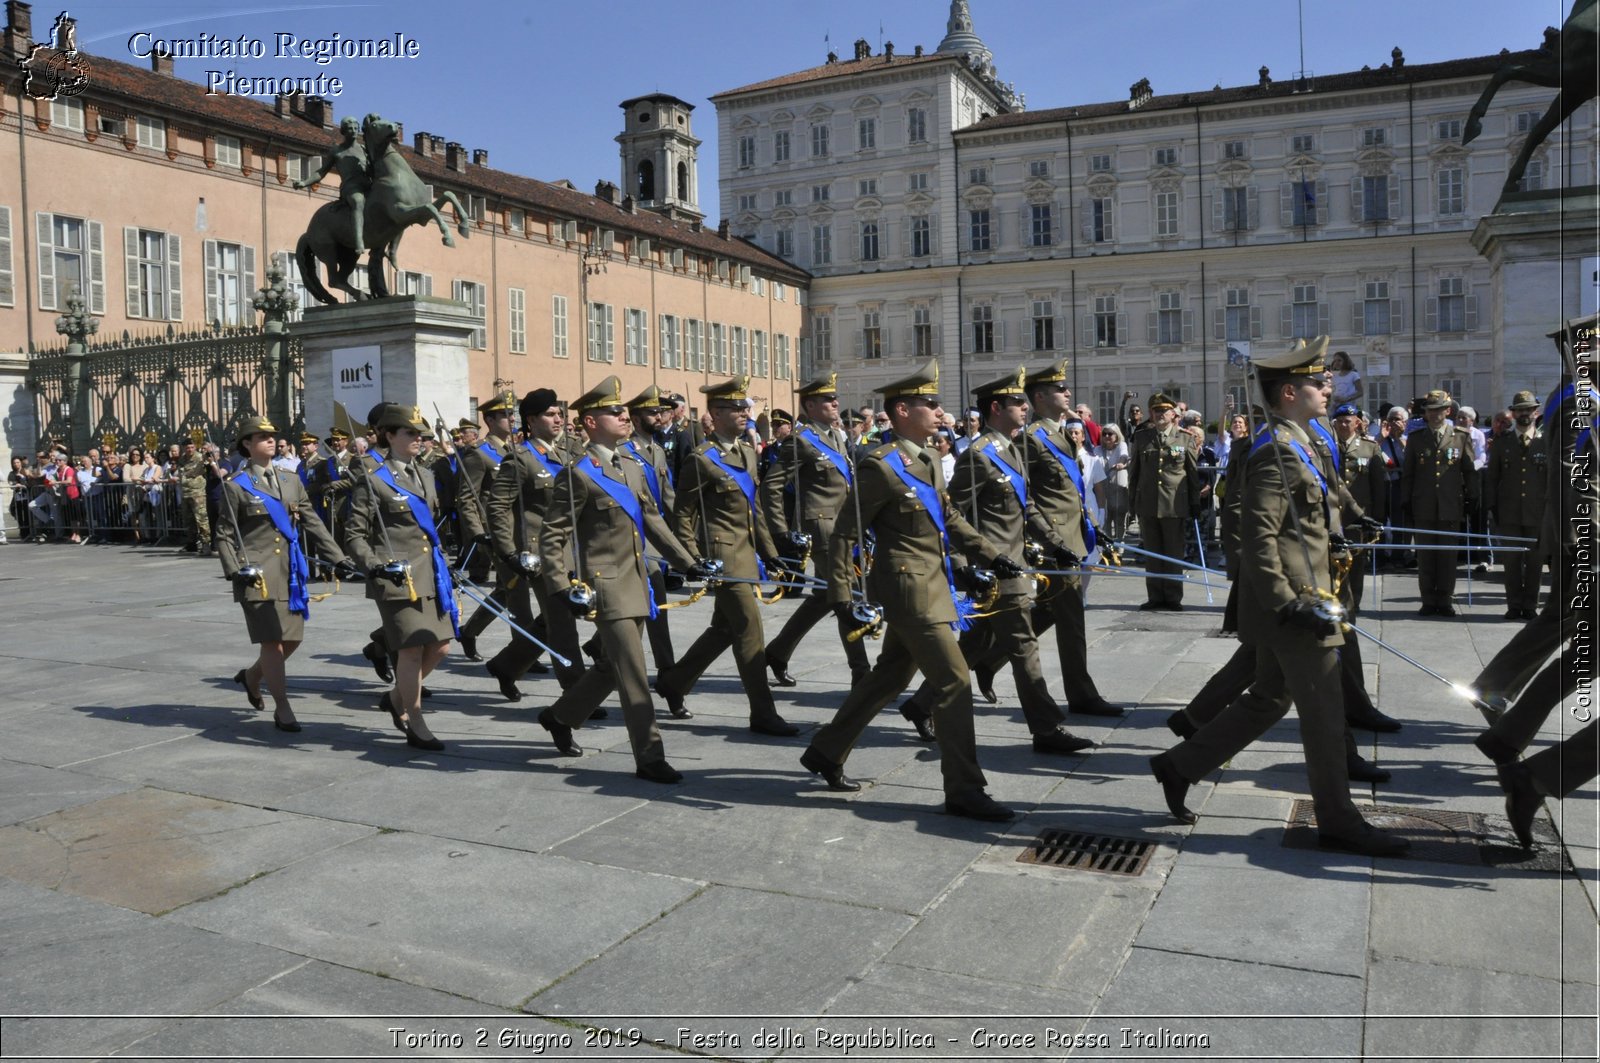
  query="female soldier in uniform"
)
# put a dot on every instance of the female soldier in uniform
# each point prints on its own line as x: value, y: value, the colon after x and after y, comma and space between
x: 263, y: 515
x: 392, y: 535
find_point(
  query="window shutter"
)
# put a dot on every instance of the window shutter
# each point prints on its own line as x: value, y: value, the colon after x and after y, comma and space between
x: 1219, y: 323
x: 247, y: 290
x: 1188, y: 326
x: 996, y: 234
x: 1252, y: 211
x: 1356, y: 214
x: 1110, y: 219
x: 1256, y: 328
x: 1324, y: 318
x: 1086, y: 329
x: 1397, y: 315
x: 1472, y: 312
x: 97, y: 267
x: 1150, y: 328
x: 1059, y: 335
x: 1358, y: 318
x: 1322, y: 205
x: 1086, y: 219
x: 47, y: 260
x: 1285, y: 320
x: 1431, y: 314
x: 1286, y: 205
x: 1394, y: 196
x: 1216, y: 211
x: 1122, y: 330
x: 8, y: 279
x: 213, y: 300
x: 1000, y: 336
x: 130, y: 255
x: 427, y: 284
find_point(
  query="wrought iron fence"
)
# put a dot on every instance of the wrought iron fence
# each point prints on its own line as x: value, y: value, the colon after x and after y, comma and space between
x: 156, y: 389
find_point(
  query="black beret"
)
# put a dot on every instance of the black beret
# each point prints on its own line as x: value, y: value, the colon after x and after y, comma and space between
x: 536, y: 402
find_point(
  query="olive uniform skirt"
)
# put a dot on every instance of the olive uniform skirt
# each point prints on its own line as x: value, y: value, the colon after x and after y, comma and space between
x: 418, y: 623
x: 271, y: 621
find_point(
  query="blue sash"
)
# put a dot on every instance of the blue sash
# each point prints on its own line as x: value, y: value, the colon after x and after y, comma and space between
x: 1074, y: 474
x: 488, y: 451
x: 1018, y: 484
x: 839, y: 460
x: 650, y: 476
x: 441, y: 571
x: 552, y: 467
x: 299, y: 570
x: 624, y: 497
x: 1333, y: 444
x: 935, y: 506
x: 454, y: 467
x: 1264, y: 436
x: 746, y: 483
x: 305, y: 474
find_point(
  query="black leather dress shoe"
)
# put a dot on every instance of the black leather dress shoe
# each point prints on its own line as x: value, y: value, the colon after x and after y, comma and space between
x: 979, y: 805
x: 1173, y: 607
x: 538, y: 668
x: 1173, y: 787
x: 776, y: 726
x: 292, y: 725
x: 1495, y: 748
x: 1060, y: 741
x: 1428, y: 610
x: 919, y: 719
x: 1097, y: 707
x: 1360, y: 769
x: 1180, y: 724
x: 674, y: 702
x: 985, y: 678
x: 1445, y: 610
x: 416, y: 741
x: 658, y: 771
x: 394, y: 714
x: 254, y: 699
x: 508, y: 686
x: 1513, y: 614
x: 379, y: 661
x: 1522, y: 801
x: 469, y: 647
x: 1151, y: 607
x: 560, y: 734
x: 1370, y: 719
x: 780, y: 674
x: 1372, y: 842
x: 600, y: 713
x: 832, y: 774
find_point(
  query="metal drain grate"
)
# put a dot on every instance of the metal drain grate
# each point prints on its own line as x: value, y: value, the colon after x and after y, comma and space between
x: 1089, y: 852
x: 1443, y: 836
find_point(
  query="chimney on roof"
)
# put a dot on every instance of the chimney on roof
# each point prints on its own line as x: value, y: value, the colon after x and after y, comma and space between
x: 436, y: 146
x: 629, y: 205
x: 281, y: 105
x: 605, y: 190
x: 19, y: 29
x: 161, y: 61
x: 917, y: 51
x: 1398, y: 56
x: 480, y: 156
x: 455, y: 157
x: 318, y: 112
x: 722, y: 228
x: 863, y: 49
x: 1266, y: 78
x: 695, y: 226
x: 833, y: 57
x: 422, y: 144
x: 1139, y: 93
x: 888, y: 51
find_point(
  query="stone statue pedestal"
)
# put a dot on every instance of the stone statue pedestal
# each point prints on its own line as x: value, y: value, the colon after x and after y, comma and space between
x: 410, y: 349
x: 1536, y: 243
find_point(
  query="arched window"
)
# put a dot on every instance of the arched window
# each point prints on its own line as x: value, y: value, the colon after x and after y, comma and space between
x: 683, y: 180
x: 647, y: 180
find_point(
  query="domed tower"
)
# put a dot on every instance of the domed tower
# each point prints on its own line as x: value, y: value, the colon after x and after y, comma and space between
x: 962, y: 39
x: 659, y: 153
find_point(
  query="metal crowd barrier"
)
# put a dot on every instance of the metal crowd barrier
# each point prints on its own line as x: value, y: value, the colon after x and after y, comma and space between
x: 132, y: 512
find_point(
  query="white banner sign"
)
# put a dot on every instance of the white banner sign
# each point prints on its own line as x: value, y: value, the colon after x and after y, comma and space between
x: 358, y: 378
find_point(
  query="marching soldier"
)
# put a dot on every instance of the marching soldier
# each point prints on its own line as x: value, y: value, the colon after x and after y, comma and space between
x: 393, y: 536
x: 899, y: 495
x: 192, y: 481
x: 266, y: 512
x: 1438, y: 488
x: 649, y: 410
x: 1286, y: 575
x: 602, y: 514
x: 1166, y: 495
x: 519, y: 501
x: 478, y: 465
x: 1514, y: 491
x: 810, y: 478
x: 1056, y: 486
x: 716, y: 509
x: 990, y: 488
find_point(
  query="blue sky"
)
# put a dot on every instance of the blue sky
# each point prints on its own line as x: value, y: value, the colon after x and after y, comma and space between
x: 538, y: 83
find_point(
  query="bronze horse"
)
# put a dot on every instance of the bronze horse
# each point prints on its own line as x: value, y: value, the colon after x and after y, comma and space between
x: 1568, y: 63
x: 397, y: 199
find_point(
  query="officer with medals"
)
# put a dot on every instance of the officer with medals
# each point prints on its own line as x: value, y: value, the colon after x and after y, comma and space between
x: 392, y: 534
x: 1514, y: 492
x: 1286, y: 578
x: 899, y: 495
x: 716, y: 510
x: 1438, y: 489
x: 478, y: 466
x: 1057, y: 488
x: 990, y: 488
x: 263, y: 513
x: 1166, y: 496
x: 810, y: 476
x: 601, y: 517
x: 650, y: 411
x: 523, y: 491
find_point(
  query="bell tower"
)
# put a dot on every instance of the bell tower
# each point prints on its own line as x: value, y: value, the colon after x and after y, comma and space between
x: 659, y: 156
